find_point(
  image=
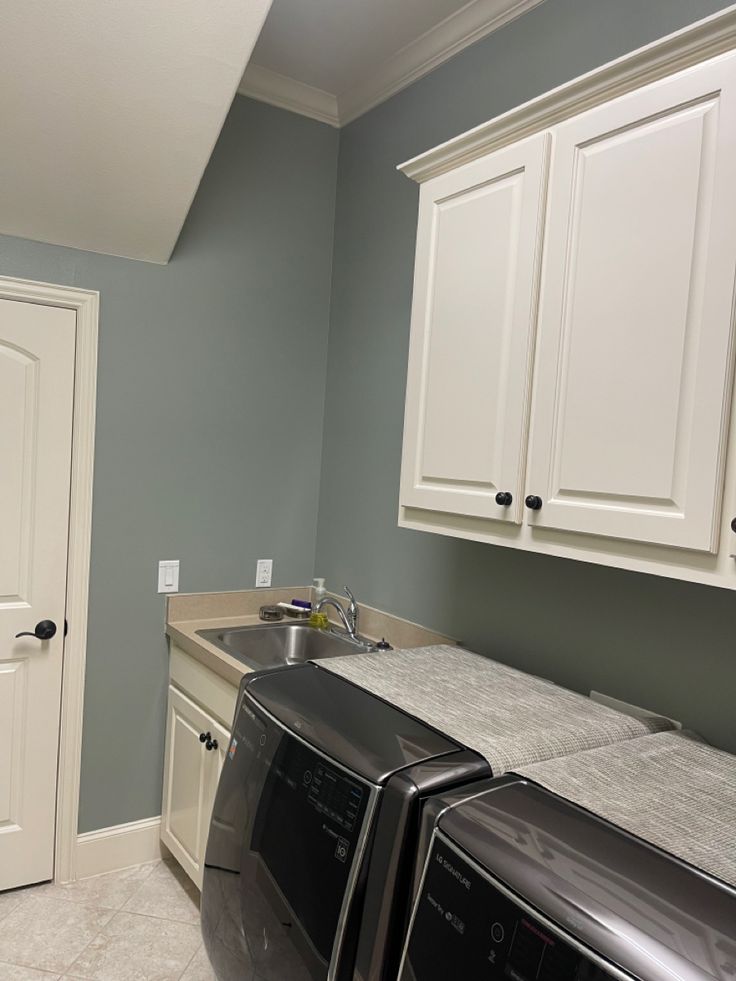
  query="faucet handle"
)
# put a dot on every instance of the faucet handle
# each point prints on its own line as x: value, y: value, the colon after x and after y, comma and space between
x: 352, y: 610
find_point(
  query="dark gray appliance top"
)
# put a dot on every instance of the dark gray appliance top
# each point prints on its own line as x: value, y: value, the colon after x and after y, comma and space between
x: 672, y: 789
x: 509, y: 717
x: 636, y: 906
x: 366, y: 735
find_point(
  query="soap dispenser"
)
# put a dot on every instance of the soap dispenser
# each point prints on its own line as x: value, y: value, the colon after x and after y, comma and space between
x: 319, y: 620
x: 318, y: 592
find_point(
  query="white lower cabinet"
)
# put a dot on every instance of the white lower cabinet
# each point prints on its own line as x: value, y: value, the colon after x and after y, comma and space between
x: 604, y: 246
x: 196, y: 744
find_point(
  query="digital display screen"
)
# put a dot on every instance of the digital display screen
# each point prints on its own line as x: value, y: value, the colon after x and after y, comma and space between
x: 466, y: 928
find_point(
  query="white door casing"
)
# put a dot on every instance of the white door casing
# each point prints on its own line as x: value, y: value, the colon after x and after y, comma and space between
x: 37, y: 362
x: 634, y: 353
x: 478, y: 248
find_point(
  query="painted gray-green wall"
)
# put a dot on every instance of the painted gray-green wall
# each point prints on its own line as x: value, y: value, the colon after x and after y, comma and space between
x: 662, y: 643
x: 209, y: 368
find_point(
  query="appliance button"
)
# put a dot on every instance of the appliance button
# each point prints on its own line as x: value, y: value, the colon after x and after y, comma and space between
x: 497, y: 933
x: 307, y: 778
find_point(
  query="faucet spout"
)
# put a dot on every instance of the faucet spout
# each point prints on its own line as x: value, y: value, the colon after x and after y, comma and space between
x: 328, y: 601
x: 348, y: 615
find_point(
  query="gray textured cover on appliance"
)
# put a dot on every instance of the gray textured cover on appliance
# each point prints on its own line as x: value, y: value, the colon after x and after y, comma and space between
x: 671, y: 789
x: 509, y: 717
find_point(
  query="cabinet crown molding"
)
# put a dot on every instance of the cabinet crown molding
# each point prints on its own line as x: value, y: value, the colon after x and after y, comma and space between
x: 707, y: 38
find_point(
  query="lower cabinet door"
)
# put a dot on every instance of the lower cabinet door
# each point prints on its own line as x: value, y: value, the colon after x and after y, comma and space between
x: 191, y: 772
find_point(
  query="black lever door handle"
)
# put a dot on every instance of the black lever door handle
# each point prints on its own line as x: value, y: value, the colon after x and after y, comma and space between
x: 45, y: 630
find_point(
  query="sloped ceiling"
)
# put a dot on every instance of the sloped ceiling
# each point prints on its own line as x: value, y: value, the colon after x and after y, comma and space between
x: 109, y: 110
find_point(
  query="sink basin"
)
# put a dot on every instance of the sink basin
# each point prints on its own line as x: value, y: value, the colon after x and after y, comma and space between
x: 275, y: 644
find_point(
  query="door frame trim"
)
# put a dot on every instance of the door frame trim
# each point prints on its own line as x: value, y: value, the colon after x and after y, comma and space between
x: 86, y: 305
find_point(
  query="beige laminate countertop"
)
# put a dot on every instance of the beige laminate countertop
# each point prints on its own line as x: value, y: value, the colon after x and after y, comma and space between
x: 188, y: 613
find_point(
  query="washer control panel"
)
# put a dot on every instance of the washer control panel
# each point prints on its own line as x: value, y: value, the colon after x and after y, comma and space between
x: 464, y: 927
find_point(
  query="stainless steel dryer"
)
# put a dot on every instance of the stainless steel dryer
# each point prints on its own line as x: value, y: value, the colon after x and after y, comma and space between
x: 319, y: 794
x: 522, y: 884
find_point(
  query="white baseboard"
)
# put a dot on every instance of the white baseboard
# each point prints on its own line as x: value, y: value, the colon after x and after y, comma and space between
x: 119, y: 847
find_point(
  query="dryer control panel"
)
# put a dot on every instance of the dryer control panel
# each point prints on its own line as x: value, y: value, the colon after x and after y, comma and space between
x: 465, y: 927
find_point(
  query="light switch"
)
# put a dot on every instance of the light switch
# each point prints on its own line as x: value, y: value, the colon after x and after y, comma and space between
x: 168, y: 576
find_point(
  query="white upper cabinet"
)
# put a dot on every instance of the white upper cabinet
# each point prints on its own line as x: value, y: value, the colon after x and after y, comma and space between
x: 572, y: 339
x: 475, y: 291
x: 633, y: 376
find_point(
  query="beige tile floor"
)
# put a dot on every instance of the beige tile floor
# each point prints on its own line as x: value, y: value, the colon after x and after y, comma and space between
x: 141, y: 924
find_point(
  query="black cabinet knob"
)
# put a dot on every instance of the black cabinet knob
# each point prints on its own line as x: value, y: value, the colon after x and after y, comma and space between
x: 210, y: 745
x: 44, y: 630
x: 733, y: 524
x: 504, y: 499
x: 204, y: 736
x: 533, y: 502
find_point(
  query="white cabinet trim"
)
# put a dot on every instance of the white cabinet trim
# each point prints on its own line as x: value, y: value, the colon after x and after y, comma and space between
x: 705, y: 39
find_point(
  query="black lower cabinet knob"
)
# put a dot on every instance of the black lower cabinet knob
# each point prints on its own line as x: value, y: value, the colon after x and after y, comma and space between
x: 204, y: 736
x: 504, y: 499
x: 210, y: 745
x: 533, y: 502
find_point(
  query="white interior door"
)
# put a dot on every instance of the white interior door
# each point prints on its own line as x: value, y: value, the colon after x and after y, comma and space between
x: 478, y: 245
x: 632, y: 390
x: 37, y: 348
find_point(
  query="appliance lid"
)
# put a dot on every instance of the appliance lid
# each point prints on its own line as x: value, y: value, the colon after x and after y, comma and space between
x: 642, y: 909
x: 511, y: 718
x: 671, y: 789
x: 347, y: 724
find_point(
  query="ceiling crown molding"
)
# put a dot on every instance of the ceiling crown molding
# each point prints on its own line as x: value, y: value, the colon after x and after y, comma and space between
x: 287, y: 93
x: 707, y: 38
x: 472, y: 22
x: 469, y: 24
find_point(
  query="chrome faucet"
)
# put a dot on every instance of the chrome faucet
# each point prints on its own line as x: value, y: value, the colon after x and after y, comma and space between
x: 348, y: 616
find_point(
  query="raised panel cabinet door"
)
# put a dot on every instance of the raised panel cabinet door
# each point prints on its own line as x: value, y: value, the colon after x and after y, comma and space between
x: 475, y: 290
x: 634, y: 350
x: 37, y: 353
x: 186, y: 782
x: 214, y: 764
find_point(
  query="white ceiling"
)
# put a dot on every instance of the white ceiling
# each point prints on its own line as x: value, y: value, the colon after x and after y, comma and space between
x: 332, y: 44
x: 334, y: 59
x: 109, y: 112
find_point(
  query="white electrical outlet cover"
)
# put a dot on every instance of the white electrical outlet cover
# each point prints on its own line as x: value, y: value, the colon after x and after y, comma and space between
x: 264, y: 571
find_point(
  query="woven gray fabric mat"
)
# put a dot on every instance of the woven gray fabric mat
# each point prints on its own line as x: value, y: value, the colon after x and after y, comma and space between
x: 671, y: 789
x: 509, y: 717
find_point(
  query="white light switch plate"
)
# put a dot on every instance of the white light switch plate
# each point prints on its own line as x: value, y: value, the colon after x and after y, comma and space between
x: 264, y: 569
x: 168, y: 576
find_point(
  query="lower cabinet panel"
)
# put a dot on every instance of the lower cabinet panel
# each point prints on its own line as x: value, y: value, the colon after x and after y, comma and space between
x: 191, y: 774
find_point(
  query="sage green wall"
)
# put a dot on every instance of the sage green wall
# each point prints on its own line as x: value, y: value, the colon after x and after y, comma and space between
x: 666, y: 644
x: 209, y: 423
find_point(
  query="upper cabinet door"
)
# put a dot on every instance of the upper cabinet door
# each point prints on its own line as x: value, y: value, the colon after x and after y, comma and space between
x: 475, y: 288
x: 633, y: 374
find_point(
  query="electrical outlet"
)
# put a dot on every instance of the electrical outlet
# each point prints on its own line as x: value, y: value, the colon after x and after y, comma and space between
x: 264, y: 569
x: 168, y: 576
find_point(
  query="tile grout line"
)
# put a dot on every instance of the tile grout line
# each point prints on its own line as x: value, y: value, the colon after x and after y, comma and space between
x: 190, y: 961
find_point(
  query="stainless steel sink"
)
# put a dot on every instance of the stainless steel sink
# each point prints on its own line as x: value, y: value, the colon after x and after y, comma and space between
x: 275, y: 644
